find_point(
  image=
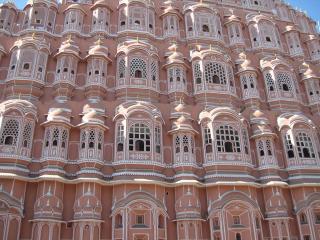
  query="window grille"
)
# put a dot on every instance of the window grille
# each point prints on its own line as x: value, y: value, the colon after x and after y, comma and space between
x: 10, y: 132
x: 139, y: 138
x: 227, y: 139
x: 304, y: 146
x: 215, y: 73
x: 138, y: 68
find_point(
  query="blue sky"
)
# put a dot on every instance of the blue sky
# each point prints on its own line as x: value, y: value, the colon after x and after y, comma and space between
x: 311, y: 6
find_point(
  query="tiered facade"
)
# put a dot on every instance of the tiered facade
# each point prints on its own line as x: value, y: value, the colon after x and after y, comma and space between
x: 159, y: 120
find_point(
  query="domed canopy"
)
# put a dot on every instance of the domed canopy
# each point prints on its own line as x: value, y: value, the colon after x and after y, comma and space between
x: 59, y: 114
x: 170, y: 8
x: 260, y: 124
x: 102, y: 3
x: 244, y: 64
x: 93, y: 115
x: 69, y: 47
x: 51, y: 3
x: 182, y: 119
x: 307, y: 71
x: 9, y: 5
x: 75, y: 6
x: 99, y: 50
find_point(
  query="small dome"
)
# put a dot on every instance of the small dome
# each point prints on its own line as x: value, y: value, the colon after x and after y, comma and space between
x: 180, y: 108
x: 75, y: 6
x: 99, y: 50
x: 59, y: 114
x: 9, y: 5
x: 94, y: 116
x: 290, y: 28
x: 102, y: 3
x: 69, y: 46
x: 307, y: 71
x: 257, y: 114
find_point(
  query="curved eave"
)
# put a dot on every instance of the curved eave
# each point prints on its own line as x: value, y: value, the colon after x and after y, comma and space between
x: 265, y: 134
x: 52, y: 122
x: 101, y: 125
x: 99, y: 55
x: 176, y: 63
x: 182, y: 129
x: 76, y: 7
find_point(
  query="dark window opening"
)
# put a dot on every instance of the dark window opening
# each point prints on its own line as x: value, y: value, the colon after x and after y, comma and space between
x: 306, y: 153
x: 122, y: 23
x: 268, y: 39
x: 99, y: 146
x: 138, y: 74
x: 228, y: 147
x: 25, y: 143
x: 139, y: 145
x: 285, y: 87
x: 55, y: 143
x: 208, y: 149
x: 120, y: 147
x: 216, y: 79
x: 8, y: 140
x: 137, y: 22
x: 261, y: 153
x: 205, y: 28
x: 185, y: 149
x: 290, y: 154
x: 177, y: 149
x: 91, y: 145
x: 198, y: 80
x: 83, y: 145
x: 238, y: 236
x: 245, y: 86
x: 26, y: 66
x: 63, y: 145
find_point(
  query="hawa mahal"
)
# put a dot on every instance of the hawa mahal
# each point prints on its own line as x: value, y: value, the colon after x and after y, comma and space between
x: 159, y: 120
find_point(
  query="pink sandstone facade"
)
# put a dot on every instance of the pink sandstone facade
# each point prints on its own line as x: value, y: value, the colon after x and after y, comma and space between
x: 159, y: 120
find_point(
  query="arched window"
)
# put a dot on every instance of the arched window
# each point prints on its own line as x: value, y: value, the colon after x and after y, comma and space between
x: 185, y: 143
x: 207, y: 140
x: 289, y: 146
x: 197, y: 73
x: 27, y: 135
x: 215, y: 73
x: 227, y: 139
x: 304, y: 146
x: 121, y: 68
x: 120, y: 138
x: 10, y: 133
x: 285, y: 82
x: 138, y: 68
x: 64, y: 139
x: 205, y: 28
x: 157, y: 139
x: 238, y: 236
x: 270, y: 82
x: 177, y: 145
x: 139, y: 138
x: 92, y: 138
x: 269, y: 148
x: 303, y: 219
x: 260, y: 148
x: 83, y: 139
